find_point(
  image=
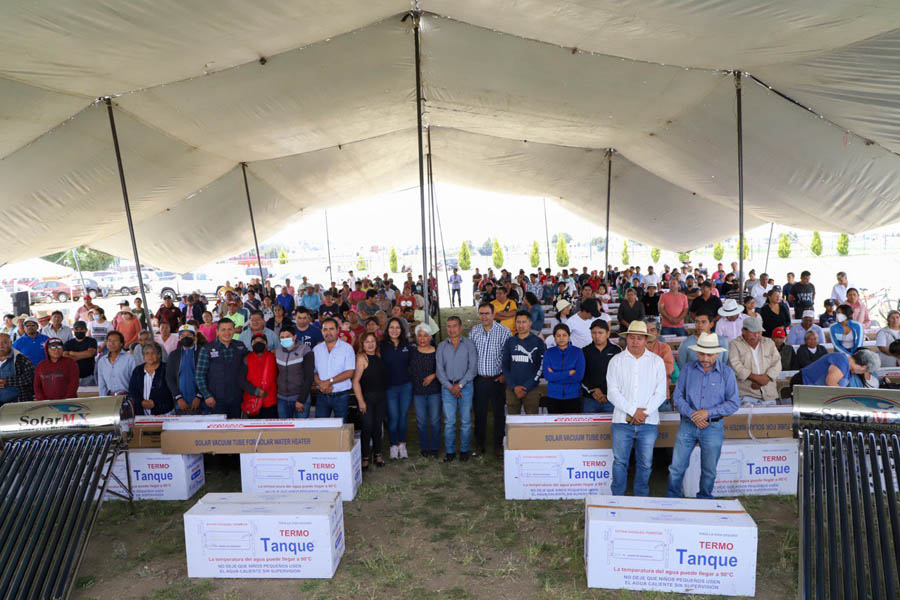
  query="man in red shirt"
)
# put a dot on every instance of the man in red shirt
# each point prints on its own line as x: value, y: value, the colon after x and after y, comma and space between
x: 57, y: 377
x: 673, y: 306
x: 594, y: 280
x: 170, y: 313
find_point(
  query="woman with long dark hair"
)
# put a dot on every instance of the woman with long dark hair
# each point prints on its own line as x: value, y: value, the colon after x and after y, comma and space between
x: 370, y: 382
x: 395, y: 352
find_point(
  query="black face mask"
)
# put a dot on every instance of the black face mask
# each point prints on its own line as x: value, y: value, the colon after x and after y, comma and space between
x: 259, y: 347
x: 187, y: 342
x: 79, y: 335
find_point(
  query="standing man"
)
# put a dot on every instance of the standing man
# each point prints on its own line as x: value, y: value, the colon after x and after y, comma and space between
x: 523, y: 355
x: 82, y: 349
x: 222, y: 373
x: 335, y: 363
x: 489, y: 338
x: 455, y: 287
x: 285, y: 299
x: 56, y: 329
x: 457, y: 366
x: 114, y: 368
x: 673, y: 306
x: 181, y: 373
x: 637, y: 387
x: 258, y: 327
x: 306, y: 333
x: 296, y: 372
x: 580, y: 323
x: 16, y: 373
x: 803, y: 296
x: 170, y: 313
x: 706, y: 302
x: 83, y: 312
x: 706, y: 392
x: 597, y: 355
x: 756, y: 363
x: 32, y: 343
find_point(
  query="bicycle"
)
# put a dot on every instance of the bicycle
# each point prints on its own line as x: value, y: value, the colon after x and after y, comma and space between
x: 881, y: 304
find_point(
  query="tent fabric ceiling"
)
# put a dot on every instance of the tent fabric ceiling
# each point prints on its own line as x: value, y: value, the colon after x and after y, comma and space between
x: 523, y: 98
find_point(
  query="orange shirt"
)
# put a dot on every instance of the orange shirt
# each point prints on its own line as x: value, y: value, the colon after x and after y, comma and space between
x: 130, y: 329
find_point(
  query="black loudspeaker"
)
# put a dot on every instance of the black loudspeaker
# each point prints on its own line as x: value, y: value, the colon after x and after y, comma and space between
x: 20, y: 303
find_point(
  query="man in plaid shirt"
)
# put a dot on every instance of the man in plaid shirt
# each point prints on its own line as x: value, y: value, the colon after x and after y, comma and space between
x: 221, y: 373
x: 489, y: 338
x: 16, y: 373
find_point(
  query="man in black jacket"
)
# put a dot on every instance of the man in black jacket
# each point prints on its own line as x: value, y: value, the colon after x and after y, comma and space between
x: 597, y: 355
x: 222, y: 372
x: 181, y: 372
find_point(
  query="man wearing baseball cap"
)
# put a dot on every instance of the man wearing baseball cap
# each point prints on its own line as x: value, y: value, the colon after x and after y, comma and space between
x: 756, y: 363
x: 32, y: 343
x: 56, y: 378
x: 828, y: 318
x: 706, y: 392
x: 786, y: 351
x: 797, y: 334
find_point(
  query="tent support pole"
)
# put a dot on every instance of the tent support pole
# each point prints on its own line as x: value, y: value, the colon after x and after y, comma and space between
x: 328, y: 247
x: 134, y: 249
x: 740, y: 157
x: 444, y: 252
x: 434, y: 233
x: 262, y: 276
x: 415, y: 20
x: 80, y: 274
x: 608, y: 200
x: 769, y: 245
x: 547, y: 235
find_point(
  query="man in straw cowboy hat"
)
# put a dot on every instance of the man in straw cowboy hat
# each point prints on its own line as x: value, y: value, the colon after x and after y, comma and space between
x: 730, y: 325
x: 636, y: 384
x: 706, y: 392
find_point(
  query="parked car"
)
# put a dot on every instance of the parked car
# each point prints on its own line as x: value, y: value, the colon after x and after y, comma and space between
x: 127, y: 284
x: 189, y: 283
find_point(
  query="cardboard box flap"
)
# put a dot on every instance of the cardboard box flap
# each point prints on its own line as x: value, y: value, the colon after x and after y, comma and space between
x: 279, y: 498
x: 725, y: 513
x: 148, y: 428
x: 257, y: 436
x: 515, y: 420
x: 187, y: 424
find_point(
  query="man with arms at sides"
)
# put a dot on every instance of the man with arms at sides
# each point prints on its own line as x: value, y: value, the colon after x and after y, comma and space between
x: 221, y: 375
x: 115, y: 367
x: 523, y: 354
x: 335, y: 363
x: 636, y: 380
x: 673, y: 307
x: 457, y: 366
x: 489, y: 338
x: 597, y: 356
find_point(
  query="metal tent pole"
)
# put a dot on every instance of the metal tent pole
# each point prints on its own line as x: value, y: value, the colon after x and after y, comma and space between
x: 434, y: 230
x: 415, y: 20
x: 547, y: 234
x: 262, y: 277
x: 769, y: 246
x: 80, y: 274
x: 740, y: 156
x: 137, y: 260
x: 608, y: 200
x: 328, y: 246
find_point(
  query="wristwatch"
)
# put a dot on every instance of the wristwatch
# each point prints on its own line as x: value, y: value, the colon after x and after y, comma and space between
x: 331, y: 381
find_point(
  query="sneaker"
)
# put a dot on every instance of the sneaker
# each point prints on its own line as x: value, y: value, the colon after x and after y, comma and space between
x: 450, y: 457
x: 395, y: 452
x: 464, y: 456
x: 401, y: 450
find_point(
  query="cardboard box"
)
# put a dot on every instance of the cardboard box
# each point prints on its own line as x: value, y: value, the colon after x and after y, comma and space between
x: 281, y: 497
x: 266, y: 473
x: 750, y: 468
x: 561, y: 432
x: 556, y: 474
x: 768, y: 422
x: 157, y: 476
x: 256, y: 435
x: 148, y: 429
x: 670, y: 545
x: 270, y: 540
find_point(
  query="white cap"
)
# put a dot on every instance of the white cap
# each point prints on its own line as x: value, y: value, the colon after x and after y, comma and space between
x: 809, y: 313
x: 187, y: 328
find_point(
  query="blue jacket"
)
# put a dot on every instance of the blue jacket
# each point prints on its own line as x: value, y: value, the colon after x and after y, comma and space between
x: 561, y: 385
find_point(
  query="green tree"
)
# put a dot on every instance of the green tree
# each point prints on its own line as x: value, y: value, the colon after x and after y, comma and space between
x: 599, y: 243
x: 718, y: 251
x: 843, y: 244
x: 816, y: 246
x: 684, y: 256
x: 746, y: 249
x: 654, y: 254
x: 465, y: 257
x: 361, y: 263
x: 88, y: 258
x: 784, y: 246
x: 282, y: 257
x: 392, y: 261
x: 556, y: 237
x: 625, y: 257
x: 535, y: 255
x: 562, y: 251
x: 497, y: 254
x: 486, y: 248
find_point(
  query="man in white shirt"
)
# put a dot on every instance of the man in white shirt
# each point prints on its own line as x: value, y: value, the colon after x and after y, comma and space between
x: 730, y: 325
x: 456, y: 287
x: 762, y: 287
x: 335, y: 363
x: 650, y: 278
x: 56, y: 328
x: 636, y: 383
x: 580, y: 323
x: 839, y: 291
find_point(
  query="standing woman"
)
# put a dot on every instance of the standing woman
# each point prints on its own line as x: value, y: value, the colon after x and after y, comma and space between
x: 208, y: 327
x: 774, y: 313
x: 147, y: 388
x: 847, y: 335
x: 395, y: 352
x: 563, y: 370
x: 426, y: 391
x: 370, y: 382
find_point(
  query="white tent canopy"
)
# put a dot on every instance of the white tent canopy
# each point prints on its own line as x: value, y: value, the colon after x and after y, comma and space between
x: 521, y: 96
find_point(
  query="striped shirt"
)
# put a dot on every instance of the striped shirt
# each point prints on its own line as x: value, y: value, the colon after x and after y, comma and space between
x: 489, y: 345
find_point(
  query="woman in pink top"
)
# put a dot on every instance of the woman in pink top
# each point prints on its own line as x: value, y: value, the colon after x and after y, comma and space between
x: 208, y: 329
x: 860, y: 310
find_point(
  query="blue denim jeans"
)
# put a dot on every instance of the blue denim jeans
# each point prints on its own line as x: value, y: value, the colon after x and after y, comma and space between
x: 642, y: 438
x: 428, y: 421
x: 399, y: 397
x: 673, y: 331
x: 710, y: 439
x: 332, y: 405
x: 589, y: 405
x: 451, y: 405
x: 287, y: 407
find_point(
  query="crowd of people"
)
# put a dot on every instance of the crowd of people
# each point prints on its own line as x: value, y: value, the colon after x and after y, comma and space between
x: 260, y: 353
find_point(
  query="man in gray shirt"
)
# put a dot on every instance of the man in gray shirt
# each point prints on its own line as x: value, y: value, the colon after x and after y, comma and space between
x: 457, y: 365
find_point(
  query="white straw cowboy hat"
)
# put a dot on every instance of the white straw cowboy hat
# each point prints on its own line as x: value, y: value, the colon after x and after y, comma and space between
x: 730, y: 308
x: 708, y: 343
x: 636, y: 328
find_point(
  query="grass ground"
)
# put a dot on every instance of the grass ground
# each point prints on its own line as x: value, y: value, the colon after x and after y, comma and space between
x: 418, y: 529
